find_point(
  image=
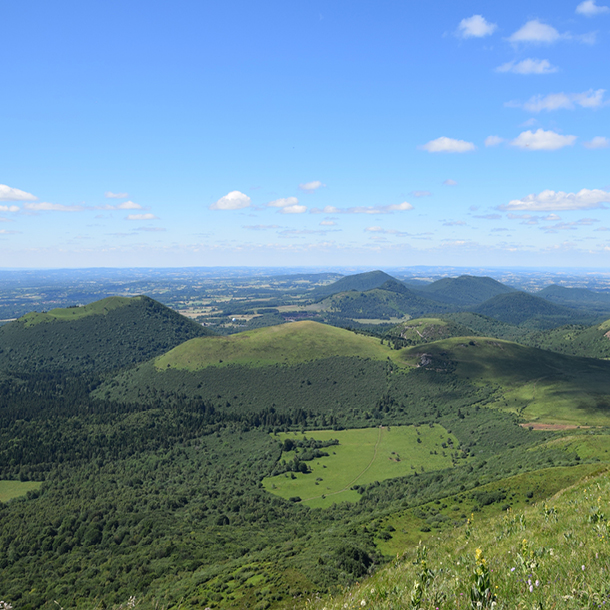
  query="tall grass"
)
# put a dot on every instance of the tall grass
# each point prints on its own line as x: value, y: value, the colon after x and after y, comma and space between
x: 554, y: 554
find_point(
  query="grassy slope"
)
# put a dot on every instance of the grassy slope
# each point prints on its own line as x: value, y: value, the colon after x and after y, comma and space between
x: 425, y: 330
x: 540, y: 385
x: 16, y: 489
x: 359, y: 282
x: 101, y: 307
x: 363, y: 455
x: 551, y: 555
x: 285, y: 344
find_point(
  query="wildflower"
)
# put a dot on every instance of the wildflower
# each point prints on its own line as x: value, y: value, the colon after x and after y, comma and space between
x: 583, y: 568
x: 531, y: 588
x: 363, y: 603
x: 537, y: 583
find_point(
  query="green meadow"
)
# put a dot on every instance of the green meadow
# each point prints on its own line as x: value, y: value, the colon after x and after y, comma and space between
x: 362, y: 456
x: 15, y: 489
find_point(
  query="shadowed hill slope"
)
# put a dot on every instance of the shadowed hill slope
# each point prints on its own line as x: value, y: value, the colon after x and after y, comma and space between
x: 526, y: 309
x: 360, y: 282
x: 465, y: 291
x: 109, y: 334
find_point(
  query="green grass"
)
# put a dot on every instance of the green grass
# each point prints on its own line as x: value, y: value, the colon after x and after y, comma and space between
x: 15, y: 489
x: 538, y: 385
x: 553, y: 554
x: 76, y: 313
x: 362, y: 456
x: 284, y: 344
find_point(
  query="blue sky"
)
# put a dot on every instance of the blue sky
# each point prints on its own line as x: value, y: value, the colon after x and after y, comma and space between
x: 305, y: 133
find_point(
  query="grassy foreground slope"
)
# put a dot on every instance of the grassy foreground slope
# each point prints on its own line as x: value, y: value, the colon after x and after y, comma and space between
x: 109, y: 334
x: 551, y: 555
x: 537, y: 384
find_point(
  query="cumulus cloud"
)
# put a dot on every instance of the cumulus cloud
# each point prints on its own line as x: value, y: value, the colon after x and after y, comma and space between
x: 562, y: 101
x: 141, y: 217
x: 111, y: 195
x: 588, y: 8
x: 536, y: 32
x: 597, y: 142
x: 528, y: 66
x: 282, y: 203
x: 421, y: 193
x: 542, y: 140
x: 449, y: 182
x: 380, y: 230
x: 293, y: 209
x: 475, y: 27
x: 9, y: 208
x: 547, y: 201
x: 493, y: 140
x: 310, y: 187
x: 374, y: 209
x: 8, y: 193
x: 569, y: 226
x: 234, y: 200
x: 44, y: 206
x: 448, y: 145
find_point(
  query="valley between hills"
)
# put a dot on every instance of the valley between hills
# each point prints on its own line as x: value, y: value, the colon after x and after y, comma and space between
x: 294, y: 435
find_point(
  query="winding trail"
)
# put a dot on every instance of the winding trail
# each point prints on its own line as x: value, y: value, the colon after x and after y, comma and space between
x: 349, y: 485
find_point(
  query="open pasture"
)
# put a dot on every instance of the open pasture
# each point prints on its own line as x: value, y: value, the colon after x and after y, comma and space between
x: 15, y: 489
x: 362, y: 456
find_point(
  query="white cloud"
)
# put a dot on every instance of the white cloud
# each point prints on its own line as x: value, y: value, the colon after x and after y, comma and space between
x: 282, y: 203
x: 528, y: 66
x: 232, y: 201
x: 377, y: 209
x: 293, y: 209
x: 310, y: 187
x: 588, y: 8
x: 328, y: 223
x: 111, y: 195
x: 449, y: 182
x: 9, y: 208
x: 141, y: 217
x: 152, y: 229
x: 7, y: 232
x: 44, y: 206
x: 421, y: 193
x: 380, y: 230
x: 547, y: 201
x: 454, y: 223
x: 488, y: 216
x: 128, y: 205
x: 493, y: 140
x: 542, y: 140
x: 8, y: 193
x: 475, y: 27
x: 537, y: 32
x: 597, y: 142
x: 563, y: 101
x: 448, y: 145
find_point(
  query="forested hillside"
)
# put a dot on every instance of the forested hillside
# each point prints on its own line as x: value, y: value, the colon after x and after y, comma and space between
x: 106, y: 335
